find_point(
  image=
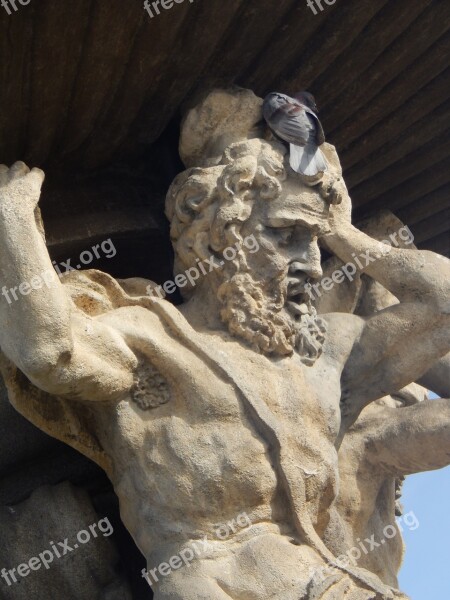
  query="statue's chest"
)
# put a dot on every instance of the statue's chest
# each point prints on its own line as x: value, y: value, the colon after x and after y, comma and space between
x: 228, y: 385
x: 213, y: 421
x: 297, y: 396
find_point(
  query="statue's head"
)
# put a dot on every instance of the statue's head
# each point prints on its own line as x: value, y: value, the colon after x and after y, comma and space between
x: 253, y: 203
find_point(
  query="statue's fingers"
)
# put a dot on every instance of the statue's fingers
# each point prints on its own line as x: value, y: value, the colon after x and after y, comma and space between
x: 19, y: 169
x: 36, y: 176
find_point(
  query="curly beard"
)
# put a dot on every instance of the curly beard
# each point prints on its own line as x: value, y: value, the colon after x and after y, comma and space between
x: 259, y: 313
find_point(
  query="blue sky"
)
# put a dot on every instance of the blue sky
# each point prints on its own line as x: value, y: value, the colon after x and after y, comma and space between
x: 425, y: 574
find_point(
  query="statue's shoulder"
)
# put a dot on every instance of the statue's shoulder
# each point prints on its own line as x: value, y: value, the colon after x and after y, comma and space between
x: 143, y: 319
x: 98, y: 294
x: 95, y: 293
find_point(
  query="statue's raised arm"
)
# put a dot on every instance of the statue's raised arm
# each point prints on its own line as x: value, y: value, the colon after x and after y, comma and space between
x: 401, y: 343
x: 56, y: 346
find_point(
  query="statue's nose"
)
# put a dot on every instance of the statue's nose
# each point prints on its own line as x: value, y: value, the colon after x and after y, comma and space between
x: 310, y: 266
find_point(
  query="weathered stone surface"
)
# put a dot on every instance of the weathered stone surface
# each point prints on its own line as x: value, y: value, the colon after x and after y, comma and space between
x: 236, y: 401
x: 30, y: 459
x: 387, y: 442
x: 358, y: 293
x: 51, y: 517
x: 226, y: 116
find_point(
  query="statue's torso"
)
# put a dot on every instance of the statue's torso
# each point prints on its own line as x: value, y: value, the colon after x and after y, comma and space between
x: 201, y: 458
x: 366, y: 502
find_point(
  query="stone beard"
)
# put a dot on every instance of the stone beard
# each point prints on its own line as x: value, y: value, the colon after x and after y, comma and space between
x: 208, y: 209
x: 259, y: 313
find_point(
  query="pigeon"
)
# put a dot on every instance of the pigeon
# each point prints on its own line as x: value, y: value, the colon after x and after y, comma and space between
x: 295, y: 121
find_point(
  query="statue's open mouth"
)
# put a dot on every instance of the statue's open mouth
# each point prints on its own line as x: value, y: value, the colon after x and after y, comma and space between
x: 296, y: 291
x: 298, y: 302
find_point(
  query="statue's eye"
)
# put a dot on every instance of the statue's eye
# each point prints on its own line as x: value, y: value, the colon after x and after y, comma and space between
x: 283, y: 234
x: 287, y: 234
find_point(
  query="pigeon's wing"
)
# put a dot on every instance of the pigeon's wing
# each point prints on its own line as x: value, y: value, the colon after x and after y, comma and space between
x: 320, y: 134
x: 292, y: 124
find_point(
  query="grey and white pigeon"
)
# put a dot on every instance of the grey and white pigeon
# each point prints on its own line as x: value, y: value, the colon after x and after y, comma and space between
x: 295, y: 121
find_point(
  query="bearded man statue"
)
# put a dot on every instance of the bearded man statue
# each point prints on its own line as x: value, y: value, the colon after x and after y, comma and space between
x: 235, y: 402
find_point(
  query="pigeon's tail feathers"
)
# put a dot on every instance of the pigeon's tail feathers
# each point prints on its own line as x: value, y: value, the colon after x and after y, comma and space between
x: 307, y: 160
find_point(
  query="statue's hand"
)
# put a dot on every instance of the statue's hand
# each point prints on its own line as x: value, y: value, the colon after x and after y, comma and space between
x: 20, y: 187
x: 334, y: 190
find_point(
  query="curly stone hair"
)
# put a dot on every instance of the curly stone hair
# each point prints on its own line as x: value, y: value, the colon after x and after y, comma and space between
x: 207, y: 207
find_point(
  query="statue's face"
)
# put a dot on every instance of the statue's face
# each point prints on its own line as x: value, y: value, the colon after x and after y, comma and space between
x: 262, y: 296
x: 287, y: 231
x: 261, y: 292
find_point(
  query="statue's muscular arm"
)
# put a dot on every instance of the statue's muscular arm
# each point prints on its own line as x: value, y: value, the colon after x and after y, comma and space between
x: 416, y: 438
x: 437, y: 379
x: 59, y: 349
x: 401, y: 343
x: 412, y: 439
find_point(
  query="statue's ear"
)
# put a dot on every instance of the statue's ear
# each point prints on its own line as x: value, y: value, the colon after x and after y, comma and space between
x: 236, y: 195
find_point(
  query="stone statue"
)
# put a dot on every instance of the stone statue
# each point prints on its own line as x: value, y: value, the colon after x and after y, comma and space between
x: 27, y: 530
x: 385, y: 444
x: 393, y: 437
x: 237, y: 401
